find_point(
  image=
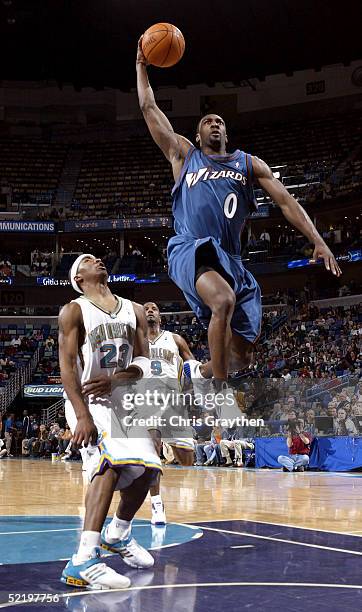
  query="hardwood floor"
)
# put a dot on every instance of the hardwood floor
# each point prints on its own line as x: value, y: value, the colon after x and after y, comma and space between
x: 325, y: 501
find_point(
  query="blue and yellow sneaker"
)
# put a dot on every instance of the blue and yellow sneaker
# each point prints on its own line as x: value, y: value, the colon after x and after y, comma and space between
x: 113, y: 600
x: 131, y: 552
x: 93, y: 574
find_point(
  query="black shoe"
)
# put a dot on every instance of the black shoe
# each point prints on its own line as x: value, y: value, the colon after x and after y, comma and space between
x: 285, y: 469
x: 300, y: 468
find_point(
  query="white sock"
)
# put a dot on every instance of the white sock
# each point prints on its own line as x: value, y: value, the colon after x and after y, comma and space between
x: 117, y: 529
x: 156, y: 499
x: 89, y: 541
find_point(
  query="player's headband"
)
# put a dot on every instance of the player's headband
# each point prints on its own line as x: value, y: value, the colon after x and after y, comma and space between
x: 74, y: 271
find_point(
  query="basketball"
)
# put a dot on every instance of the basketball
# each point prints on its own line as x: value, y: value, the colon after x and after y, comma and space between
x: 163, y: 45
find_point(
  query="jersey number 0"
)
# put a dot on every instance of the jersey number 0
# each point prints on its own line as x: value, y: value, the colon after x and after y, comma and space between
x: 230, y: 205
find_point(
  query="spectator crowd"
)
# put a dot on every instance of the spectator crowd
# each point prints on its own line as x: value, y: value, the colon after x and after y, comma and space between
x: 305, y: 381
x: 30, y: 438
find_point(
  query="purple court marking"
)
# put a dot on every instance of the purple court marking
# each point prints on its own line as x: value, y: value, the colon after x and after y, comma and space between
x: 267, y: 575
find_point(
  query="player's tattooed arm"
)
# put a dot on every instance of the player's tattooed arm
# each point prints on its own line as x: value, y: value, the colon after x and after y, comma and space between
x: 173, y: 146
x: 71, y: 334
x: 294, y: 213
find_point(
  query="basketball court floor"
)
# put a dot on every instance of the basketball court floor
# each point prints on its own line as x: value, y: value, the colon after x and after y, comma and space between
x: 236, y: 539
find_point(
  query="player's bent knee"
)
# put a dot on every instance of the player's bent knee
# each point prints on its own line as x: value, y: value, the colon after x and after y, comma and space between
x: 224, y: 304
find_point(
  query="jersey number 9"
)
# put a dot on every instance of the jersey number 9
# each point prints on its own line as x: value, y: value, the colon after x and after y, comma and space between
x: 156, y: 367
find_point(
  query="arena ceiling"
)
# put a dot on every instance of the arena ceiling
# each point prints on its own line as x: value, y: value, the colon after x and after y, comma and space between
x: 92, y: 42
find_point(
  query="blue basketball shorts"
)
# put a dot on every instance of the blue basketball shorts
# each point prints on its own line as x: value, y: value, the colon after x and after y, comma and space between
x: 183, y: 259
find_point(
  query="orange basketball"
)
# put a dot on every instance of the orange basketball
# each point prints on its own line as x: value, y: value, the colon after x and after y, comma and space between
x: 163, y: 45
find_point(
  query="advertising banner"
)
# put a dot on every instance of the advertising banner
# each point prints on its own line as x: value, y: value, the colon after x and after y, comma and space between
x: 43, y: 391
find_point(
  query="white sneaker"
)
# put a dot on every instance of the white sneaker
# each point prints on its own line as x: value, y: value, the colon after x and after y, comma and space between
x: 158, y: 514
x: 101, y: 576
x: 131, y: 552
x: 113, y: 600
x: 93, y: 574
x: 136, y: 556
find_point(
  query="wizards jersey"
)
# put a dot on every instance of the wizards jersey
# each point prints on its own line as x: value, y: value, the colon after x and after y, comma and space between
x: 213, y: 197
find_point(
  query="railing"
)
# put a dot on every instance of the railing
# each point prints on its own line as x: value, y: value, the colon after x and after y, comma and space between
x: 10, y: 391
x: 331, y: 385
x: 20, y: 378
x: 48, y: 415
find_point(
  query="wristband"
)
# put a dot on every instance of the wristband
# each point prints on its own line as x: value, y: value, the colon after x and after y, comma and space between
x: 192, y: 369
x: 143, y: 364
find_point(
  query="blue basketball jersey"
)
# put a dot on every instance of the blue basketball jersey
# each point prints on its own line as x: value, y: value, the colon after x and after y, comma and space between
x: 213, y: 197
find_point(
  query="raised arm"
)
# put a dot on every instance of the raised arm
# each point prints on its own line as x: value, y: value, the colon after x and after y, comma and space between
x: 294, y: 213
x: 70, y: 329
x: 173, y: 146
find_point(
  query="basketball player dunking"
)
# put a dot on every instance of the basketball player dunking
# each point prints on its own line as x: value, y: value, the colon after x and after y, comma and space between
x: 212, y: 198
x: 102, y: 345
x: 168, y: 352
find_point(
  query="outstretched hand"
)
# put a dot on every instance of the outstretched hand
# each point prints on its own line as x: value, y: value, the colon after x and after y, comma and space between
x: 322, y: 251
x: 140, y: 55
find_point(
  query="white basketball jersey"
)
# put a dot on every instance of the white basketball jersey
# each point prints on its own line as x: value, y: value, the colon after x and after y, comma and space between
x: 109, y: 339
x: 165, y: 357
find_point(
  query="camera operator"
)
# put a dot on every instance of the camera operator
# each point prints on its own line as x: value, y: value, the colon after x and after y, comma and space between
x: 298, y: 442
